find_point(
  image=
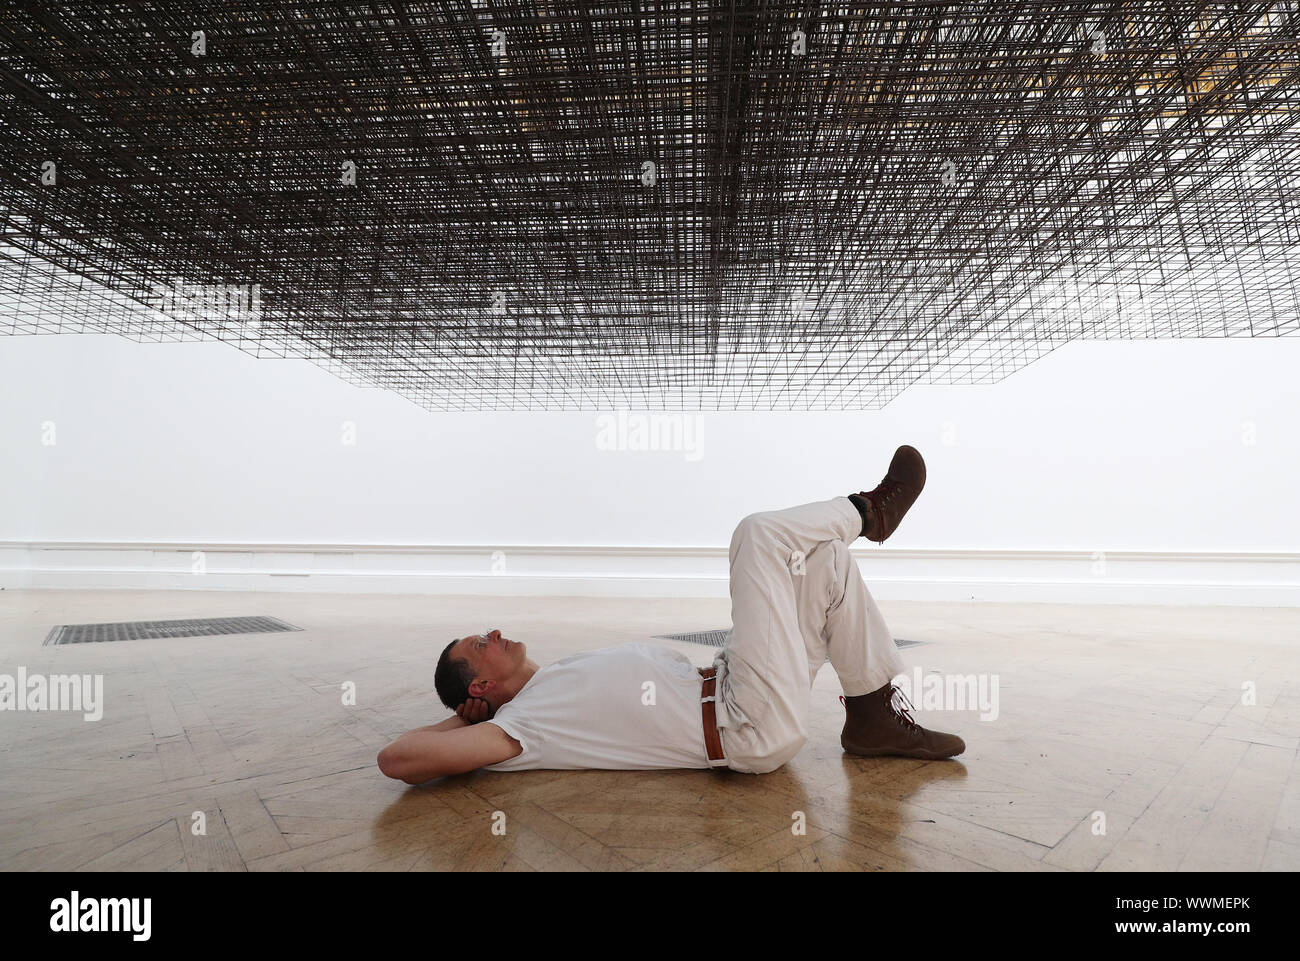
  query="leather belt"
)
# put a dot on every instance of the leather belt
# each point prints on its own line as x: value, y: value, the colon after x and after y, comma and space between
x: 708, y: 697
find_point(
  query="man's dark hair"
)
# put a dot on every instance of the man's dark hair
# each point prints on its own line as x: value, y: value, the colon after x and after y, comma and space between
x: 452, y: 678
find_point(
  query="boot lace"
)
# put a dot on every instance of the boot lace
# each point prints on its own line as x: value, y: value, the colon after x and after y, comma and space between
x: 885, y: 491
x: 879, y: 500
x: 902, y: 713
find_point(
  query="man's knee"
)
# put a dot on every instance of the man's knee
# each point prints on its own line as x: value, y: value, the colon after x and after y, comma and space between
x: 754, y: 528
x: 752, y: 522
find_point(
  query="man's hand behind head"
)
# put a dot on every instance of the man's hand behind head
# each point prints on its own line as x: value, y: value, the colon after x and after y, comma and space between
x: 474, y: 709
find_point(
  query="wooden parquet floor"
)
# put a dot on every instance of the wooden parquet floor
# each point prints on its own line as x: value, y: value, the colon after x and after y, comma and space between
x: 1133, y: 712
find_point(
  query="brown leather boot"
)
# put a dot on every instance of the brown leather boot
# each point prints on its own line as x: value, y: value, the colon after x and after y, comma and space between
x: 883, y: 508
x: 875, y: 726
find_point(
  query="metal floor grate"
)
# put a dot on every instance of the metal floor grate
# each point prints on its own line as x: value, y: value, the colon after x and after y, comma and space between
x: 719, y: 638
x: 144, y: 630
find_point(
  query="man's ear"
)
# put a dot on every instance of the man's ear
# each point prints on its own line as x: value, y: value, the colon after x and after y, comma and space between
x: 479, y: 687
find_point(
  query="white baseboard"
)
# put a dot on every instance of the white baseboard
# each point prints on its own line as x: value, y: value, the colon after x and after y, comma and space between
x: 1121, y: 577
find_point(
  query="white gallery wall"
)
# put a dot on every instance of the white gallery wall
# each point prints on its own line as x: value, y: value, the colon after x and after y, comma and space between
x: 1163, y: 471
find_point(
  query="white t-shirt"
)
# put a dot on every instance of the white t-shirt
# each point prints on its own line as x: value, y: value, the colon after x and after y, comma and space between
x: 596, y: 709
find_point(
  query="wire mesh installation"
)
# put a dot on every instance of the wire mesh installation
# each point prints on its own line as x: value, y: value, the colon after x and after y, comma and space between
x: 669, y: 205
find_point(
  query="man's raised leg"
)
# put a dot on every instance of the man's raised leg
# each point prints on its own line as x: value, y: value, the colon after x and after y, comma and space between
x: 783, y: 625
x: 859, y: 643
x: 865, y: 656
x: 765, y: 666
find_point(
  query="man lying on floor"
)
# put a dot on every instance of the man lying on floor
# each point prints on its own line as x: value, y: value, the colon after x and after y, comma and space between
x: 797, y: 597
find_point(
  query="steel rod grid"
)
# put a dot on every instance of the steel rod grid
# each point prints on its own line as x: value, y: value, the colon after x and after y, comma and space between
x: 680, y: 205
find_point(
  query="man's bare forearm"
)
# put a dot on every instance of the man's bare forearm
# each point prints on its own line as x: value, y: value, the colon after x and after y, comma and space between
x: 451, y: 724
x: 417, y: 739
x: 428, y: 752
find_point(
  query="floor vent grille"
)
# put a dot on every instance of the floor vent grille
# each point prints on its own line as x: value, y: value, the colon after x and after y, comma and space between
x: 146, y: 630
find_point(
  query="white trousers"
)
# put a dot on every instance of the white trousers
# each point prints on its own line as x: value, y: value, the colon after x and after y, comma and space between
x: 796, y: 597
